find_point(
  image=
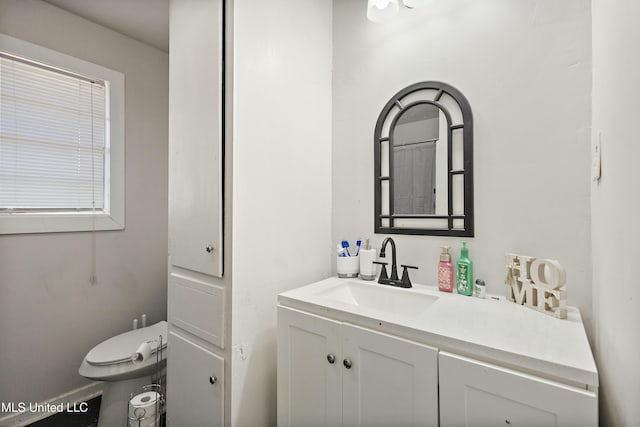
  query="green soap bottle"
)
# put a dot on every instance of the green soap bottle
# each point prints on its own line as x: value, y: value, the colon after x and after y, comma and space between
x: 464, y: 272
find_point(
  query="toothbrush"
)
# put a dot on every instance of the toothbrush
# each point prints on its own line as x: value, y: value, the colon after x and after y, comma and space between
x: 340, y: 250
x: 358, y: 243
x: 345, y: 245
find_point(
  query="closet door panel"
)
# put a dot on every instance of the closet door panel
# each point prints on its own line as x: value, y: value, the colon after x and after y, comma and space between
x: 195, y: 390
x: 195, y: 135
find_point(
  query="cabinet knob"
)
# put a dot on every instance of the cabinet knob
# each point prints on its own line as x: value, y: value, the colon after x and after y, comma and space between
x: 347, y: 363
x: 209, y: 249
x: 213, y: 379
x: 331, y: 358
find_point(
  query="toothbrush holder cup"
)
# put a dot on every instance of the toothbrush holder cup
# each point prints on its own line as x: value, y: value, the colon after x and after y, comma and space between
x: 348, y: 266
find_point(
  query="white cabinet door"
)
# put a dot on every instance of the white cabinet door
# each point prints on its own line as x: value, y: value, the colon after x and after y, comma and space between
x: 309, y: 369
x: 195, y: 390
x: 195, y: 135
x: 474, y: 393
x: 387, y: 381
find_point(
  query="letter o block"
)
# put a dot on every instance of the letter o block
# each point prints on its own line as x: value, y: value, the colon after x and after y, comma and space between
x: 557, y: 275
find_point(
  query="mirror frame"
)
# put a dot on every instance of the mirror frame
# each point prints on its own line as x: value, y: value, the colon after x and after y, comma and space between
x: 467, y: 171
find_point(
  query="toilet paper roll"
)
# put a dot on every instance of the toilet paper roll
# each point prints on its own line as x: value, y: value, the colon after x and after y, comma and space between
x: 141, y: 354
x: 142, y: 409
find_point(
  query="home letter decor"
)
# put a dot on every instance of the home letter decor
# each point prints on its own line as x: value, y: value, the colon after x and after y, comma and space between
x: 528, y: 285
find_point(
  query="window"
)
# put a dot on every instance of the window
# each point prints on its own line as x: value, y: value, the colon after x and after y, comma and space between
x: 52, y: 139
x: 61, y: 142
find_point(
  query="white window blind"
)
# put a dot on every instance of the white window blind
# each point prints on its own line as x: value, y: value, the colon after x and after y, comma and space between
x: 53, y: 146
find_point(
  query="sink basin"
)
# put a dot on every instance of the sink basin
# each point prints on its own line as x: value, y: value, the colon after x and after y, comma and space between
x: 380, y: 298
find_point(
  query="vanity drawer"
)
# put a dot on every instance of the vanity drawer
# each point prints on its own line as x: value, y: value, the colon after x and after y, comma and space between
x: 197, y: 307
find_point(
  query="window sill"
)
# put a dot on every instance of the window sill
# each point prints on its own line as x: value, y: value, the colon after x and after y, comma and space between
x: 24, y: 223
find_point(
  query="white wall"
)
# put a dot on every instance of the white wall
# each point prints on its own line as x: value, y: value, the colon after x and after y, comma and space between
x: 50, y: 315
x: 525, y: 67
x: 614, y: 207
x: 281, y: 181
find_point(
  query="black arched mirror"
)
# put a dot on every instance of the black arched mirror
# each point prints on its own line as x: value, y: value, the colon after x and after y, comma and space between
x: 423, y: 147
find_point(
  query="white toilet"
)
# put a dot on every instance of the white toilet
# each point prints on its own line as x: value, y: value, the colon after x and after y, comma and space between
x: 111, y: 361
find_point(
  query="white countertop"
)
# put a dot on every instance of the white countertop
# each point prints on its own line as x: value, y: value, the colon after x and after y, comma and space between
x: 497, y: 331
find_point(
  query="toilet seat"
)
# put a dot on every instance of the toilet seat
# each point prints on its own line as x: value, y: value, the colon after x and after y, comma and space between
x: 120, y: 348
x: 116, y: 365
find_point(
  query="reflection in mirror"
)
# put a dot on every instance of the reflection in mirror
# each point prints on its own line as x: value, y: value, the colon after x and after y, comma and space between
x: 424, y: 162
x: 415, y: 141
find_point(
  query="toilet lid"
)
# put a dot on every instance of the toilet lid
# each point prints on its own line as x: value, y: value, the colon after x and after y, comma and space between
x: 120, y: 348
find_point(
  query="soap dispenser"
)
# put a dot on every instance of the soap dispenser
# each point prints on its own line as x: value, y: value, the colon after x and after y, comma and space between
x: 445, y: 271
x: 464, y: 272
x: 367, y: 255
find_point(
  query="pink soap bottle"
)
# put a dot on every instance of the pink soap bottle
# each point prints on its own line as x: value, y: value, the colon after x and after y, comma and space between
x: 445, y: 271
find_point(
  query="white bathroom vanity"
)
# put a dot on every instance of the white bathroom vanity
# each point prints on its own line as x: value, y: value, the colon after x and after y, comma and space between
x: 358, y: 353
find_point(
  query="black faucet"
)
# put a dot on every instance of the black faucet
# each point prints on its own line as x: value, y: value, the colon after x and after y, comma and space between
x: 405, y: 282
x: 394, y: 268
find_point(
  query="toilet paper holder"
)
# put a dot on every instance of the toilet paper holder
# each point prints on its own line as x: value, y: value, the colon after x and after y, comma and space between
x: 146, y: 407
x: 147, y: 404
